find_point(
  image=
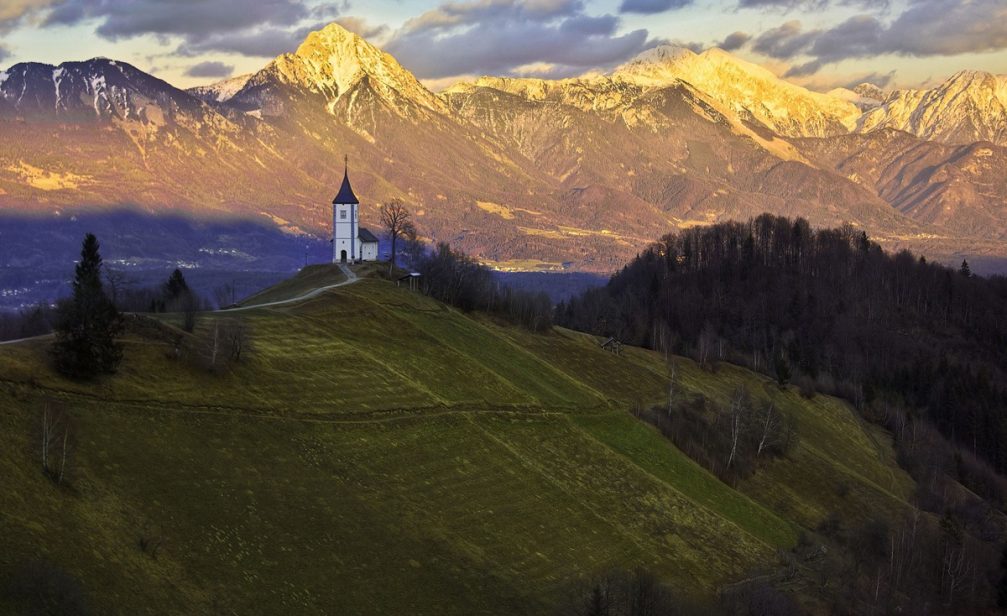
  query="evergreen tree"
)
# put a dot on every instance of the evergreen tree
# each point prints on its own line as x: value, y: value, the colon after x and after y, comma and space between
x: 176, y: 287
x: 965, y: 269
x: 87, y: 324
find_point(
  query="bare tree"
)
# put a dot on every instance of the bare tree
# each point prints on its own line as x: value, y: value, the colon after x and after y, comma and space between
x: 770, y: 427
x: 118, y: 281
x: 672, y: 378
x: 737, y: 421
x: 225, y: 342
x: 55, y: 442
x: 956, y: 569
x: 395, y: 219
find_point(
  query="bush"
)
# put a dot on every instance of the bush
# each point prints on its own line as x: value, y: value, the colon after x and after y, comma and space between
x: 457, y: 279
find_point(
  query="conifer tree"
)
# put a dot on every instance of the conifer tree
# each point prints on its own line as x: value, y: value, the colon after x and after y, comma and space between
x: 965, y: 270
x: 88, y: 322
x: 176, y: 286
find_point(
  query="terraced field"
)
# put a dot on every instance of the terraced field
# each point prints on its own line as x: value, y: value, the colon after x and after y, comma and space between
x: 380, y: 453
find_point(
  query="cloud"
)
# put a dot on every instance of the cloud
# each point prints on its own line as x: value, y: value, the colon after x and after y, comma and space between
x: 4, y: 52
x: 265, y: 28
x: 734, y: 41
x: 785, y: 41
x: 925, y: 28
x: 361, y: 27
x: 812, y: 5
x: 263, y: 42
x: 210, y: 69
x: 649, y: 7
x: 803, y: 70
x: 882, y: 80
x: 499, y: 36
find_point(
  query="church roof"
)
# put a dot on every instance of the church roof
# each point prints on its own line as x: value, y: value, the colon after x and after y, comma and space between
x: 365, y: 236
x: 346, y: 192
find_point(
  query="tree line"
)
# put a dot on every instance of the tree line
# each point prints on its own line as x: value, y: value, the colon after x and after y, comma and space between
x: 827, y: 309
x: 457, y: 279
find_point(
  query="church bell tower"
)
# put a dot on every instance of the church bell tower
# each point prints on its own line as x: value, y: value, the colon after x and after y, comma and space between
x: 345, y: 244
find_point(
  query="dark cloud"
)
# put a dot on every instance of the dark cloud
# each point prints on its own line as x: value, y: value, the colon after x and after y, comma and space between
x: 4, y: 53
x: 925, y: 28
x: 499, y: 36
x: 362, y: 28
x: 881, y: 80
x: 803, y: 70
x: 264, y: 42
x: 734, y: 41
x: 811, y: 5
x: 649, y: 7
x: 210, y: 69
x: 192, y: 19
x: 254, y: 28
x: 784, y: 42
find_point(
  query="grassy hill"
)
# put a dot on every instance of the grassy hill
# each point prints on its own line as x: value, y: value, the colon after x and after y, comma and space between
x: 381, y: 453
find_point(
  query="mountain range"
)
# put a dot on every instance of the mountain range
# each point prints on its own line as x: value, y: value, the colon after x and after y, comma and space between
x: 523, y: 173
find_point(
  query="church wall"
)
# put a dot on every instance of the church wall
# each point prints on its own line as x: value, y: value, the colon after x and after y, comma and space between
x: 369, y: 251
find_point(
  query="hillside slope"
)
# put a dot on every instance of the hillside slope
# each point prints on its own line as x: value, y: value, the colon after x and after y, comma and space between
x: 379, y: 452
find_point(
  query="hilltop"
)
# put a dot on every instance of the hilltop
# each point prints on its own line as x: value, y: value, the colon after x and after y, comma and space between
x: 379, y: 452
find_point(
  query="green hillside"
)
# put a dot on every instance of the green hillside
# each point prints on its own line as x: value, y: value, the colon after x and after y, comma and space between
x: 380, y: 453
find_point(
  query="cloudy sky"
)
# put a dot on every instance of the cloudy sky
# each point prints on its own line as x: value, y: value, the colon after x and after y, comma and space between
x: 820, y: 43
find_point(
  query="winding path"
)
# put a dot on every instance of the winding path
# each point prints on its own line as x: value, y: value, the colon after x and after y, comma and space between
x: 350, y: 279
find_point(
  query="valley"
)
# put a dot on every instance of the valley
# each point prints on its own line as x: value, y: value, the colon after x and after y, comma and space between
x: 581, y: 173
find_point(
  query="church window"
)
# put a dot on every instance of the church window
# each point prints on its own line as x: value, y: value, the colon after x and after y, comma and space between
x: 342, y: 214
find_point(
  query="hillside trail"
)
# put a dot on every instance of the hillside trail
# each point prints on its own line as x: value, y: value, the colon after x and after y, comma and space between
x: 350, y: 279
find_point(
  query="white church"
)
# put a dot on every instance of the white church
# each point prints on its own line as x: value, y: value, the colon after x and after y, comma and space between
x: 350, y: 242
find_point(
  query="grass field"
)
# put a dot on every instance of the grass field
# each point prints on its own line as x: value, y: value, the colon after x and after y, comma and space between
x: 381, y: 453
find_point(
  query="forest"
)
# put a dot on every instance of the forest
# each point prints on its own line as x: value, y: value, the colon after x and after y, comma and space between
x: 904, y: 339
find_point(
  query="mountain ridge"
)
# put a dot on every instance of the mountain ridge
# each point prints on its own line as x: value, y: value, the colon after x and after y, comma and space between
x: 522, y: 173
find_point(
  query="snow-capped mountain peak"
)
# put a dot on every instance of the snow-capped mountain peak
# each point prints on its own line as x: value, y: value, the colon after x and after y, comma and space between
x: 221, y: 91
x: 969, y: 106
x: 751, y: 91
x: 333, y: 61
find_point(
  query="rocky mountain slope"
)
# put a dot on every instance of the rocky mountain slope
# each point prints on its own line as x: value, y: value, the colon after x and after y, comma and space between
x: 970, y: 106
x: 524, y: 173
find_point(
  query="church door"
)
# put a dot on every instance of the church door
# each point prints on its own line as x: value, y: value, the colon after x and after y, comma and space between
x: 342, y: 256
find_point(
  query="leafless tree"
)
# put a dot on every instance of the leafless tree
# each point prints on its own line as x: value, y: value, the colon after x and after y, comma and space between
x: 55, y: 441
x: 118, y: 281
x: 770, y: 428
x: 737, y: 421
x: 672, y: 378
x: 395, y: 219
x: 225, y: 342
x: 956, y: 569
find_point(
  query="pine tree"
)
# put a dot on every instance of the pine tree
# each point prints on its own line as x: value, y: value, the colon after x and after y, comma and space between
x: 87, y: 323
x: 965, y: 270
x: 176, y: 286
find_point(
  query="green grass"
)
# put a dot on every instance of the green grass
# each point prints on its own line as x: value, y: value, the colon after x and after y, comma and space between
x: 382, y: 453
x: 308, y: 279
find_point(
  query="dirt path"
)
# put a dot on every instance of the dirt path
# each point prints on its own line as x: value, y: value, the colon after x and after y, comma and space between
x: 350, y: 279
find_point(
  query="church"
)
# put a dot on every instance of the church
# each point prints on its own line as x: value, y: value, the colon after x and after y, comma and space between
x: 350, y: 242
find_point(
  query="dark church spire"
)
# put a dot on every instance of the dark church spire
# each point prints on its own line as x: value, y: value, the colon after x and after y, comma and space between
x: 346, y: 191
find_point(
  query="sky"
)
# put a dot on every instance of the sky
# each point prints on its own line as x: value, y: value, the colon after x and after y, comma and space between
x: 818, y: 43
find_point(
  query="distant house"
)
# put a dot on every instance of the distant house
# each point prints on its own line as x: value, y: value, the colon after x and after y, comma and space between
x: 412, y: 279
x: 613, y: 345
x: 350, y: 242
